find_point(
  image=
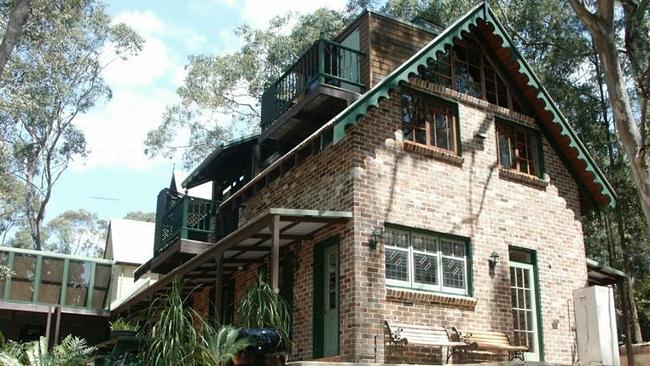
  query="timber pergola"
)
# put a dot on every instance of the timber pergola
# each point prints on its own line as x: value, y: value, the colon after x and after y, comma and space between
x: 250, y: 243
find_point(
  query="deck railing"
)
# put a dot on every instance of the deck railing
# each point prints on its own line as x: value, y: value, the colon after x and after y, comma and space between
x: 186, y: 217
x: 44, y: 278
x: 326, y: 62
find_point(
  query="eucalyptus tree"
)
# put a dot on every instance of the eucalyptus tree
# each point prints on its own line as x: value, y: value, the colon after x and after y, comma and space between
x: 77, y: 232
x: 55, y: 74
x: 13, y: 28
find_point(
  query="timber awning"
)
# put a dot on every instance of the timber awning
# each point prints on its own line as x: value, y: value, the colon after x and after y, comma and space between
x: 603, y: 275
x: 251, y: 242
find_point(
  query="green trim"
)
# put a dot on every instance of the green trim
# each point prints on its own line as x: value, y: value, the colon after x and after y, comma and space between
x: 470, y: 268
x: 438, y: 45
x: 317, y: 318
x: 538, y: 297
x: 7, y: 290
x: 55, y: 255
x: 64, y: 281
x: 37, y: 278
x: 91, y: 286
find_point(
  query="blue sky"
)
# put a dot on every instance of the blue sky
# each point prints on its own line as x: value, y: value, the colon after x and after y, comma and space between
x: 116, y: 169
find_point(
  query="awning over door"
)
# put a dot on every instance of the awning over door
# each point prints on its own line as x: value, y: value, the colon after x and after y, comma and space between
x: 258, y: 238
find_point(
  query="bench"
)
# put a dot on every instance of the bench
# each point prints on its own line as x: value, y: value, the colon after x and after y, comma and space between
x: 492, y: 342
x: 401, y: 335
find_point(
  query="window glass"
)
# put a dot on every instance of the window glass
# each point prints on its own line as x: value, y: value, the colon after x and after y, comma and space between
x: 78, y: 283
x: 465, y: 68
x: 22, y: 283
x: 4, y: 260
x: 419, y: 260
x: 518, y: 148
x: 51, y: 280
x: 428, y: 120
x: 102, y: 282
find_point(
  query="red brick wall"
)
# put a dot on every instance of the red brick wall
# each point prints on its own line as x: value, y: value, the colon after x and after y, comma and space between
x: 470, y: 200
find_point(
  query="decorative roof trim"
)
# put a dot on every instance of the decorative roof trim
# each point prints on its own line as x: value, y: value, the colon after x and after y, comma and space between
x: 438, y: 45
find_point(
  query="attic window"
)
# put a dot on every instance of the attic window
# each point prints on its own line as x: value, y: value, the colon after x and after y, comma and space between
x: 429, y: 121
x: 518, y: 148
x: 466, y: 68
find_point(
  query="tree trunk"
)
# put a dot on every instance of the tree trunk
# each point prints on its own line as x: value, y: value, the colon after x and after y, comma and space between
x: 17, y: 20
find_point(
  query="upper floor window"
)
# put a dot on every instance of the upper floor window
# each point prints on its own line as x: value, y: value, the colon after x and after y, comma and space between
x: 426, y: 261
x: 468, y: 70
x: 518, y: 148
x: 428, y: 120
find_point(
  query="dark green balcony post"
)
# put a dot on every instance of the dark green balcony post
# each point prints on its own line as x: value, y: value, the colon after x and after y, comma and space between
x: 321, y: 58
x: 186, y: 205
x: 37, y: 278
x: 91, y: 285
x: 10, y: 264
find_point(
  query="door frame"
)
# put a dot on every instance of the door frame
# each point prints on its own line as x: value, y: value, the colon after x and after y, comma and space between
x: 318, y: 303
x: 538, y: 297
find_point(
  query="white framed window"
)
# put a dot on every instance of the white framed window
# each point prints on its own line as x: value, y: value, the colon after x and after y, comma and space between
x: 426, y: 261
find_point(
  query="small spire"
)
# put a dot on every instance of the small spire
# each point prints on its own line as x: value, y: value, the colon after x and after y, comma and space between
x: 172, y: 186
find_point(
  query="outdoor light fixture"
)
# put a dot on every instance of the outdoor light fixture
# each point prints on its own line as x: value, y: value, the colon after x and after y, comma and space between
x: 375, y: 237
x: 494, y: 259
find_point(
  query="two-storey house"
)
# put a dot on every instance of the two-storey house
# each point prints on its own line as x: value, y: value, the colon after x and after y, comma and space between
x: 403, y: 173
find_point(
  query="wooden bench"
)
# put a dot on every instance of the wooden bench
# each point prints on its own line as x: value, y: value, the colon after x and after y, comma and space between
x: 492, y: 342
x: 401, y: 335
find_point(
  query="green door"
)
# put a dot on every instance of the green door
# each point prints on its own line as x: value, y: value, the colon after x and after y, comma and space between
x: 326, y: 299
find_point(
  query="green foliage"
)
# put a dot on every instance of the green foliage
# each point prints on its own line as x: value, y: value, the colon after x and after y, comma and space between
x: 72, y: 351
x: 77, y: 232
x: 141, y: 216
x: 261, y: 307
x: 223, y: 345
x: 6, y: 272
x: 172, y: 337
x: 55, y: 74
x: 124, y: 324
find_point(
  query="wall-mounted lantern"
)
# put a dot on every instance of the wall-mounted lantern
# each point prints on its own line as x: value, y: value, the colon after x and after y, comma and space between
x: 494, y: 259
x: 375, y: 237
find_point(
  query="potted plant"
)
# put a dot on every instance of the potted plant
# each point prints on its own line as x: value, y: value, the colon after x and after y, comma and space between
x: 123, y: 328
x: 226, y: 345
x: 266, y: 320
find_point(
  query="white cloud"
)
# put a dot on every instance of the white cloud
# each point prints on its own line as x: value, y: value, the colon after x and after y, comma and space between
x: 142, y: 87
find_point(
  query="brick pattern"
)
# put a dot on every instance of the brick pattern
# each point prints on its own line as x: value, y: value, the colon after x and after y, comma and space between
x: 472, y: 201
x: 373, y: 174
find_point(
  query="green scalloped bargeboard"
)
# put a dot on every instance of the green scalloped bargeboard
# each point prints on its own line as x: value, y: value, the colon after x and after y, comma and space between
x: 439, y: 45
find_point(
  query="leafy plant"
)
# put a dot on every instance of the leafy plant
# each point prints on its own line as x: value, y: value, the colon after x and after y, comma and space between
x: 124, y: 324
x: 261, y: 307
x: 225, y: 344
x: 6, y: 273
x: 72, y: 351
x: 173, y: 340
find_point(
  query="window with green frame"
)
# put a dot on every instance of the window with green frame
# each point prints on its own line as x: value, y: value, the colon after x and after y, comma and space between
x: 426, y: 261
x: 518, y: 148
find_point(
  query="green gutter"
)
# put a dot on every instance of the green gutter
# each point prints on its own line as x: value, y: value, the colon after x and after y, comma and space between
x: 439, y: 45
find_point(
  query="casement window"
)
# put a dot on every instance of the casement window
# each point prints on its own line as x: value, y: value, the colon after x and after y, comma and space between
x: 518, y: 148
x: 426, y: 261
x: 429, y: 121
x: 466, y: 68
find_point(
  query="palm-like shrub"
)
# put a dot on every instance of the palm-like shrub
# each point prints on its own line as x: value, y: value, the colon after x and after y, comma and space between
x: 173, y: 340
x: 72, y: 351
x: 261, y: 307
x: 225, y: 344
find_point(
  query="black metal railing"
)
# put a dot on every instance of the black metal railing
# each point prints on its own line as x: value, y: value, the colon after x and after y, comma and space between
x: 326, y: 62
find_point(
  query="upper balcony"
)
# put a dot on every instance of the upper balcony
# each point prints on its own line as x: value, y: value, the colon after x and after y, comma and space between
x: 319, y: 85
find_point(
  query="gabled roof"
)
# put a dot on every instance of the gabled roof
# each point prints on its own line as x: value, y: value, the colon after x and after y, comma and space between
x: 129, y: 241
x: 553, y: 122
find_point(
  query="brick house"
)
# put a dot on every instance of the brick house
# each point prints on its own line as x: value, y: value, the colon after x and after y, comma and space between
x: 405, y: 173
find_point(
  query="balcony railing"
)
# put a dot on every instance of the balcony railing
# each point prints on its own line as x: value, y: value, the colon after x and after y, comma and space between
x: 184, y: 217
x: 325, y: 62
